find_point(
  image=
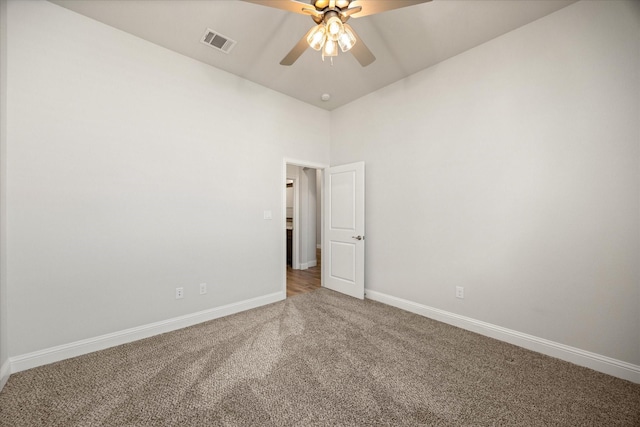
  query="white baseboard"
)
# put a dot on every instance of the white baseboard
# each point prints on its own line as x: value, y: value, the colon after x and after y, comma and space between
x: 306, y: 265
x: 597, y: 362
x: 5, y: 371
x: 78, y: 348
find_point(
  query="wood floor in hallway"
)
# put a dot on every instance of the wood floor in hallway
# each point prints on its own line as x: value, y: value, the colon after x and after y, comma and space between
x: 302, y: 281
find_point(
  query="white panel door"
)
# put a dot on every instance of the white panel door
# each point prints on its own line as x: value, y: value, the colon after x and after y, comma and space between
x: 343, y: 248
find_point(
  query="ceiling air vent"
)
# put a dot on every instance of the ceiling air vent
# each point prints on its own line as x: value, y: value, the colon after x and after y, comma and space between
x: 218, y: 41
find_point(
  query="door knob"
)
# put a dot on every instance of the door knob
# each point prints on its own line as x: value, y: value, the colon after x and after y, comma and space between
x: 358, y: 237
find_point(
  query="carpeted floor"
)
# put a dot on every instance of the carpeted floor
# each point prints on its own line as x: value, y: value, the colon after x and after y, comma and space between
x: 313, y: 360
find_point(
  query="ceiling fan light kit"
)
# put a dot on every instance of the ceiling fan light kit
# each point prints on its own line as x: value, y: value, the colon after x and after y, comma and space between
x: 331, y: 28
x: 329, y: 34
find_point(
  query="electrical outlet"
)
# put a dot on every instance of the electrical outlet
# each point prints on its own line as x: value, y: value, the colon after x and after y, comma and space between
x: 459, y: 292
x: 203, y: 288
x: 179, y: 293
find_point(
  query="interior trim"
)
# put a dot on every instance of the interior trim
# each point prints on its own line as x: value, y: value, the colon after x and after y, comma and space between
x: 5, y: 371
x: 597, y: 362
x: 78, y: 348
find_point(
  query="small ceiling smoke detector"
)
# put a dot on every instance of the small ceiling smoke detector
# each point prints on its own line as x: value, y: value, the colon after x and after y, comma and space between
x: 217, y: 41
x: 325, y: 97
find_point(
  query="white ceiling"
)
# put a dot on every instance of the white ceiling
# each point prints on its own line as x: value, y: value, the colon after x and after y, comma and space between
x: 404, y: 41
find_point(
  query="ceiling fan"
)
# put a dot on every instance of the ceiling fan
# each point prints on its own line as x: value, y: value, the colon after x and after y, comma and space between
x: 331, y: 30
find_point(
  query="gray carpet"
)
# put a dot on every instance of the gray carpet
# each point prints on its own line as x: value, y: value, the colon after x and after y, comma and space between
x: 313, y: 360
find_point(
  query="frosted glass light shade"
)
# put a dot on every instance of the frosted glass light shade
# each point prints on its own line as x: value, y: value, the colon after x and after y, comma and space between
x: 330, y: 48
x: 334, y: 28
x: 346, y: 40
x: 317, y: 37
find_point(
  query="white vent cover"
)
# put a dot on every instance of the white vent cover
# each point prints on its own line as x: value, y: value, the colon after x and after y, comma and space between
x: 218, y: 41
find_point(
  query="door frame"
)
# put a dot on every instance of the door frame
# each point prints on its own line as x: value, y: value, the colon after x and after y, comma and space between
x: 283, y: 203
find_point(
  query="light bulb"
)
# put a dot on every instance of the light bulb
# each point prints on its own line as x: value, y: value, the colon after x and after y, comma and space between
x: 334, y: 28
x: 346, y: 40
x: 317, y: 37
x: 330, y: 48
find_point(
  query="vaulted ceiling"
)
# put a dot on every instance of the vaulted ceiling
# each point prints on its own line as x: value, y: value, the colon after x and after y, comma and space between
x: 404, y: 40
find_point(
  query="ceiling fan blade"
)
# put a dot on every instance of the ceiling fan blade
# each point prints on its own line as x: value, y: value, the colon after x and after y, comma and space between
x: 297, y: 50
x: 371, y: 7
x: 348, y: 12
x: 294, y: 6
x: 312, y: 11
x: 360, y: 50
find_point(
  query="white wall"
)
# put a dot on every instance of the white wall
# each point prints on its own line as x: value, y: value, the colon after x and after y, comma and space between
x: 130, y: 173
x: 4, y: 353
x: 512, y: 170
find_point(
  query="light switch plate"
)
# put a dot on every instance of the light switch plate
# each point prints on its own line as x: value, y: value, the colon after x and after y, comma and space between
x: 268, y: 215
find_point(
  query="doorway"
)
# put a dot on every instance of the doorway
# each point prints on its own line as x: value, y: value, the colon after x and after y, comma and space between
x: 303, y: 228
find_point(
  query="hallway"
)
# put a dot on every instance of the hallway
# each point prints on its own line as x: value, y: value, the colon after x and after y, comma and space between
x: 302, y: 281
